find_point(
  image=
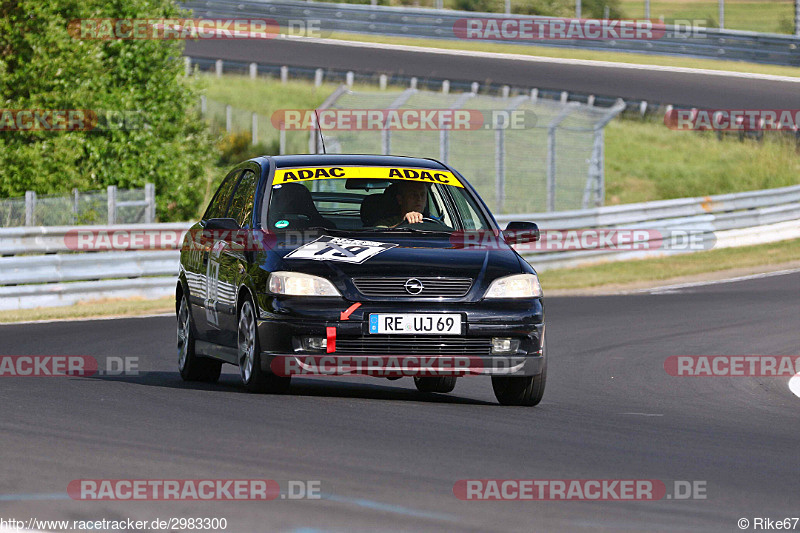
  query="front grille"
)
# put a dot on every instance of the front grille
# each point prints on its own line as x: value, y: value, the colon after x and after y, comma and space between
x: 414, y: 345
x: 396, y: 287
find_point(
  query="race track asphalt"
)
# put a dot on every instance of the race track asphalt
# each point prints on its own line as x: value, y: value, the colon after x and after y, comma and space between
x: 667, y: 87
x: 387, y: 457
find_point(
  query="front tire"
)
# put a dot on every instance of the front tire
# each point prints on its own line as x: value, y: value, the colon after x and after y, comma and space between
x: 443, y: 384
x: 521, y: 390
x: 191, y: 366
x: 249, y: 356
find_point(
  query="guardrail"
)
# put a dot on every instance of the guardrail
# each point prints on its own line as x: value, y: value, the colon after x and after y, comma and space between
x: 433, y: 23
x: 725, y: 220
x: 40, y: 266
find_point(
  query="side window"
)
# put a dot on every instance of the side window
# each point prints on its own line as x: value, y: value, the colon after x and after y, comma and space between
x: 468, y: 211
x: 219, y: 205
x: 242, y: 204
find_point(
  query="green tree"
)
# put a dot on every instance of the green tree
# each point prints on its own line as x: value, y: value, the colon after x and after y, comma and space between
x: 43, y: 66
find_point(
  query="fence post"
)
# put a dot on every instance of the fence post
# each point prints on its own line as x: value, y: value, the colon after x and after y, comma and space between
x: 318, y: 77
x: 382, y: 79
x: 254, y: 128
x: 150, y: 197
x: 282, y: 137
x: 228, y: 118
x: 564, y: 97
x: 284, y: 74
x: 446, y: 87
x: 444, y: 145
x: 534, y: 95
x: 203, y: 105
x: 312, y: 136
x: 30, y: 208
x: 218, y: 68
x: 413, y: 83
x: 505, y: 91
x: 578, y: 9
x: 253, y: 70
x: 187, y: 66
x: 499, y: 168
x: 797, y: 17
x: 722, y: 14
x: 75, y: 205
x: 551, y: 155
x: 386, y: 141
x: 112, y: 204
x: 474, y: 87
x: 349, y: 77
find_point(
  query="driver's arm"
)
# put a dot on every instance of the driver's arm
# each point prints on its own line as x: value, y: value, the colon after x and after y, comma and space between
x: 412, y: 217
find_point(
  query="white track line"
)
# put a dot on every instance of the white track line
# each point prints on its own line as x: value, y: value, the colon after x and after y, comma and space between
x: 556, y: 60
x: 670, y: 288
x: 85, y: 319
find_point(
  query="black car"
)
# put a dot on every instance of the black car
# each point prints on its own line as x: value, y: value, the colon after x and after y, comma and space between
x: 307, y: 265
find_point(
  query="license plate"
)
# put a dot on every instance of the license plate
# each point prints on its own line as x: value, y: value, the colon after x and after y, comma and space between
x: 415, y: 323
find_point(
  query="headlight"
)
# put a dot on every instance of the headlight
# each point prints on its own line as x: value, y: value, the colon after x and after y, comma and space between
x: 297, y: 284
x: 516, y: 286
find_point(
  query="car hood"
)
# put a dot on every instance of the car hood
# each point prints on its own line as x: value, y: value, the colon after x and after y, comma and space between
x: 417, y: 256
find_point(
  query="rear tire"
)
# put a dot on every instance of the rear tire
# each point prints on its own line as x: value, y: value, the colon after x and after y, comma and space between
x: 521, y: 390
x: 249, y: 356
x: 441, y: 384
x: 191, y: 366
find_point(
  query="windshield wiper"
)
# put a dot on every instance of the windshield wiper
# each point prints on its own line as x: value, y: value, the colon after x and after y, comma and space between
x: 406, y: 229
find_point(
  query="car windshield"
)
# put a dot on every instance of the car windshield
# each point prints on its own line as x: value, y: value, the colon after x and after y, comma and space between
x: 370, y: 199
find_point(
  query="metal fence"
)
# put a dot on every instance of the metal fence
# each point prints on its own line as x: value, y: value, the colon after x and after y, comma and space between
x: 112, y: 206
x: 553, y: 162
x: 438, y: 24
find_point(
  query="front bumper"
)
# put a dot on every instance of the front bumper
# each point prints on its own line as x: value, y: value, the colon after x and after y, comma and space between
x: 354, y: 351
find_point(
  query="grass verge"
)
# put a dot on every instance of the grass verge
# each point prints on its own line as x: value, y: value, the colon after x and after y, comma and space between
x: 100, y: 308
x: 667, y: 268
x: 771, y: 16
x: 646, y: 161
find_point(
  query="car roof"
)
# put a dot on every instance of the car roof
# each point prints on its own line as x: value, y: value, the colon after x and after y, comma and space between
x: 286, y: 161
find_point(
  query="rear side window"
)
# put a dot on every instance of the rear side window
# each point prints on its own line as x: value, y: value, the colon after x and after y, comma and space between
x: 242, y: 204
x: 219, y: 205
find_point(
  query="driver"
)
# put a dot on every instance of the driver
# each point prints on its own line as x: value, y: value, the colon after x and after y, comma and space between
x: 412, y: 197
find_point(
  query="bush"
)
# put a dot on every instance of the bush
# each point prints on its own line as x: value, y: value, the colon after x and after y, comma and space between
x: 236, y: 147
x: 43, y: 67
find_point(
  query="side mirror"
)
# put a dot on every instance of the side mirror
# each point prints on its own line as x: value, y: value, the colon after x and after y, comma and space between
x: 216, y: 226
x: 521, y: 232
x: 221, y: 224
